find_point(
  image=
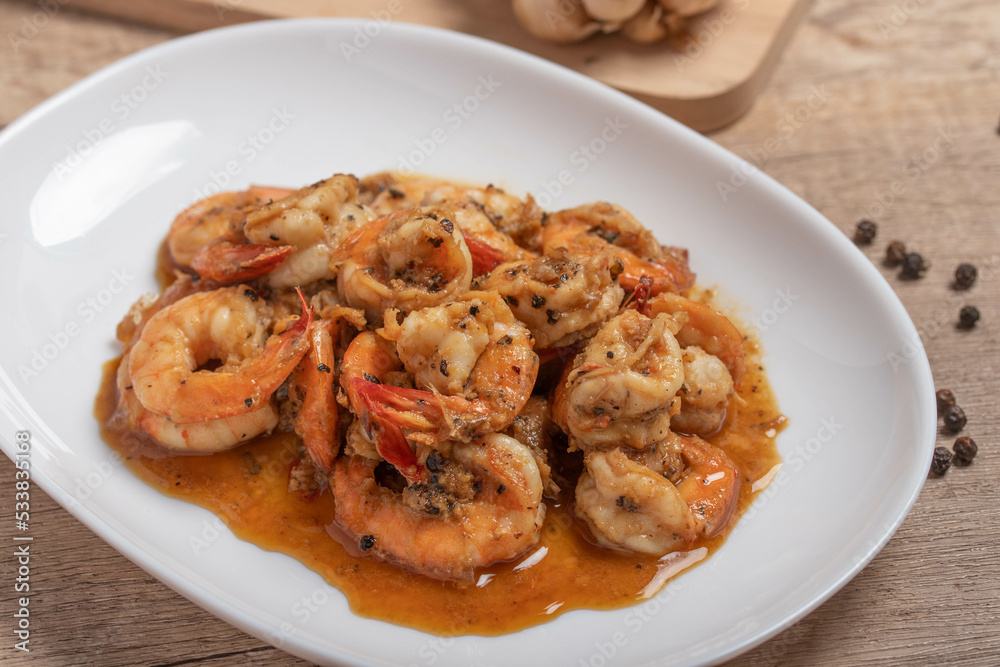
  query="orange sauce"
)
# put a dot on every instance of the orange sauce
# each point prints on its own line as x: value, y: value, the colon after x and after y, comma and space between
x: 247, y: 488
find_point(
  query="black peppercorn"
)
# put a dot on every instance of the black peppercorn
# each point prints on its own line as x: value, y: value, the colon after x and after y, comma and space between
x: 894, y: 253
x: 914, y: 265
x: 965, y: 276
x: 965, y: 449
x: 435, y: 462
x: 945, y: 399
x: 368, y: 541
x: 954, y: 419
x: 968, y: 316
x: 941, y: 461
x: 865, y: 232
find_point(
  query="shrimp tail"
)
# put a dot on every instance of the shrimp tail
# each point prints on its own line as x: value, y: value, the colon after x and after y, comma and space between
x: 395, y: 449
x: 485, y: 257
x: 402, y: 406
x: 317, y: 421
x: 653, y: 277
x: 227, y: 263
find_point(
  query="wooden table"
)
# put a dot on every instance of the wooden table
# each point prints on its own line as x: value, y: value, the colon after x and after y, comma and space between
x: 886, y: 79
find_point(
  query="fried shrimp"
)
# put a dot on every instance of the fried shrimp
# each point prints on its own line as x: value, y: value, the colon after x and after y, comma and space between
x: 229, y: 326
x: 318, y: 420
x: 621, y: 389
x: 519, y: 219
x: 472, y: 364
x: 410, y: 259
x: 482, y: 504
x: 714, y: 362
x: 390, y: 332
x: 371, y: 360
x: 203, y: 437
x: 560, y: 298
x: 690, y: 491
x: 312, y: 221
x: 590, y: 228
x: 706, y: 328
x: 213, y: 218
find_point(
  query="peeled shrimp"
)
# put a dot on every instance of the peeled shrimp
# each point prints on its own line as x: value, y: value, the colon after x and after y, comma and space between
x: 229, y: 325
x: 516, y: 218
x: 592, y: 227
x: 621, y: 389
x: 482, y: 505
x: 472, y: 365
x: 205, y: 437
x: 412, y: 259
x: 371, y: 360
x: 634, y: 506
x: 560, y: 298
x: 714, y: 362
x: 706, y: 328
x: 213, y: 218
x: 302, y: 228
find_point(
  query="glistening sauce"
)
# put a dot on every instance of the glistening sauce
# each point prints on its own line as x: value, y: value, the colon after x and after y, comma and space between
x: 247, y: 488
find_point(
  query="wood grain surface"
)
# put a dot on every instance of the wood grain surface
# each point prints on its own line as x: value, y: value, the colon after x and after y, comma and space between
x: 706, y: 81
x: 887, y: 108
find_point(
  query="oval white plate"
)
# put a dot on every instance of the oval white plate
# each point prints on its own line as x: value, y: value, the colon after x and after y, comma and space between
x: 94, y: 176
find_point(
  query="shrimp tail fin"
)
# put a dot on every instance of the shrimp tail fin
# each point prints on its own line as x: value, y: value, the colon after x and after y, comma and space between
x: 408, y: 408
x: 227, y: 263
x: 392, y: 445
x: 485, y: 257
x: 317, y: 421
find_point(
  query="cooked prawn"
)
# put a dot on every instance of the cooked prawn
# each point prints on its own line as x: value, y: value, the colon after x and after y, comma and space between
x: 560, y: 298
x: 714, y: 361
x: 482, y: 505
x: 518, y: 219
x: 633, y: 506
x: 213, y: 218
x: 288, y: 240
x: 318, y: 421
x: 590, y: 228
x: 204, y: 437
x: 705, y: 328
x: 621, y: 389
x: 368, y: 360
x: 472, y: 363
x: 410, y: 259
x: 229, y: 325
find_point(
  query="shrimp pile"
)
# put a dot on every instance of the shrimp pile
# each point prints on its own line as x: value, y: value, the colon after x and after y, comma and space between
x: 449, y: 357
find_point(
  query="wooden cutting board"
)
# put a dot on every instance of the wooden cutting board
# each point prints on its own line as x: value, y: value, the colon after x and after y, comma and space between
x: 705, y: 79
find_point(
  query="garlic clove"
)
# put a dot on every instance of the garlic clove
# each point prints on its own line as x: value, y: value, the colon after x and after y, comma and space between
x: 613, y: 11
x: 561, y: 21
x: 647, y: 26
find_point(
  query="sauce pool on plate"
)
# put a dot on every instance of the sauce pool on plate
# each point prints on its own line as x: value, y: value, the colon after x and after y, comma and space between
x: 247, y: 487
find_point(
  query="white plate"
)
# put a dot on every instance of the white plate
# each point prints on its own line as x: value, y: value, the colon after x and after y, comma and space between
x: 93, y: 177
